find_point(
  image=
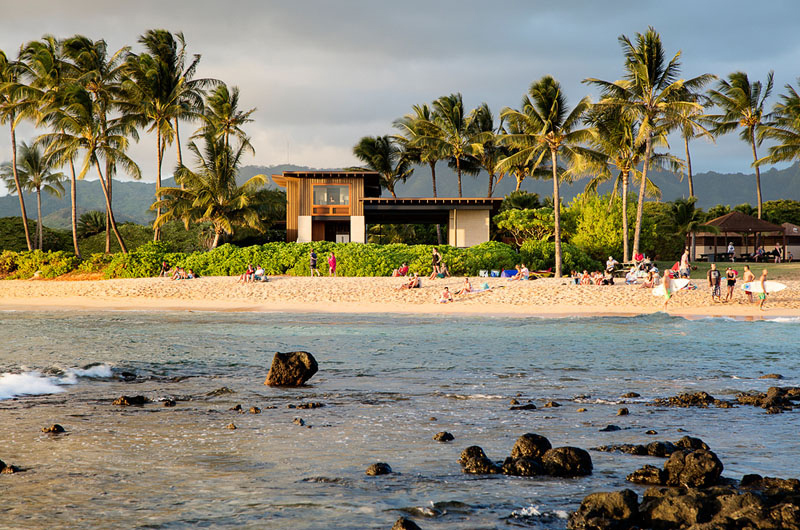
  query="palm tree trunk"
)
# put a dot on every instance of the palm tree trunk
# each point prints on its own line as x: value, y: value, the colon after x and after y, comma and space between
x: 122, y: 246
x: 19, y: 188
x: 519, y: 181
x: 110, y: 201
x: 39, y: 217
x: 688, y: 166
x: 458, y: 169
x: 216, y: 239
x: 556, y: 213
x: 491, y: 185
x: 625, y: 253
x: 758, y: 171
x: 178, y: 143
x: 640, y: 206
x: 159, y: 156
x: 433, y: 182
x: 73, y: 195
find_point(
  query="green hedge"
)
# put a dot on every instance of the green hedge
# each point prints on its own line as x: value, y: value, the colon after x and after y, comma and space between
x: 540, y: 255
x: 26, y: 264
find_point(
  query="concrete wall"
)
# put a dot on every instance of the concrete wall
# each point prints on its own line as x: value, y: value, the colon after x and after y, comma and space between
x: 303, y: 228
x: 467, y: 227
x: 358, y: 229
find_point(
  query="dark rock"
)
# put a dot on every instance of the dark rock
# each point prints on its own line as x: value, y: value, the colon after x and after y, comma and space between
x: 127, y: 376
x: 2, y: 464
x: 309, y: 405
x: 662, y: 449
x: 696, y: 399
x: 647, y: 475
x: 291, y: 369
x: 567, y: 462
x: 617, y: 510
x: 53, y: 429
x: 231, y: 426
x: 405, y: 524
x: 630, y: 449
x: 220, y: 392
x: 513, y: 402
x: 687, y: 442
x: 530, y: 445
x: 527, y: 406
x: 522, y: 467
x: 443, y: 436
x: 474, y: 460
x: 582, y: 409
x: 611, y: 428
x: 623, y: 411
x: 9, y: 470
x: 378, y: 468
x: 432, y: 418
x: 698, y: 469
x: 299, y: 421
x: 671, y: 509
x: 630, y: 395
x: 771, y: 376
x: 551, y: 405
x: 651, y: 432
x: 169, y: 403
x: 130, y: 400
x: 254, y: 410
x: 769, y: 485
x: 237, y: 408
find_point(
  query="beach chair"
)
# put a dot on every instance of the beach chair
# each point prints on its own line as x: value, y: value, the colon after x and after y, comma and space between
x: 541, y: 274
x: 483, y: 273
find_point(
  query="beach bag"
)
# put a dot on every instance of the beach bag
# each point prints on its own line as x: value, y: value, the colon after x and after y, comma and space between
x: 483, y: 273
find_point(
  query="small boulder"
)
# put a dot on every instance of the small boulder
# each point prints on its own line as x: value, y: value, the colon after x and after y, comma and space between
x: 581, y: 410
x: 651, y: 432
x: 552, y: 404
x: 611, y: 428
x: 614, y: 510
x: 9, y: 470
x: 522, y: 467
x: 688, y: 442
x: 291, y: 369
x: 567, y: 462
x: 127, y: 401
x: 623, y: 411
x: 474, y: 460
x: 443, y: 436
x: 169, y: 403
x: 299, y: 421
x: 771, y: 376
x: 666, y: 509
x: 254, y: 410
x: 405, y: 524
x: 237, y: 408
x: 530, y: 445
x: 53, y: 429
x: 630, y: 395
x: 231, y: 426
x: 694, y: 469
x: 378, y: 468
x: 647, y: 475
x: 527, y: 406
x: 221, y: 391
x: 661, y: 449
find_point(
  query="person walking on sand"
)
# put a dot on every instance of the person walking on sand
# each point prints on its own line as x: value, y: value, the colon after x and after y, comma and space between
x: 313, y: 263
x: 714, y: 281
x: 762, y: 296
x: 667, y: 288
x: 332, y: 264
x: 730, y: 275
x: 685, y: 268
x: 748, y: 277
x: 731, y: 250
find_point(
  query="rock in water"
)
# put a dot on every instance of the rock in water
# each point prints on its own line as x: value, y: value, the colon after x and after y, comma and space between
x: 474, y: 460
x: 405, y: 524
x: 567, y: 462
x: 531, y: 445
x: 647, y: 475
x: 379, y: 468
x: 695, y: 469
x: 53, y: 429
x: 606, y: 510
x: 443, y: 436
x: 127, y: 401
x: 231, y: 426
x: 291, y: 369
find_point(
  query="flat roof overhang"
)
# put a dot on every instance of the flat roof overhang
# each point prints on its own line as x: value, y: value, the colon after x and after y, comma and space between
x: 392, y: 210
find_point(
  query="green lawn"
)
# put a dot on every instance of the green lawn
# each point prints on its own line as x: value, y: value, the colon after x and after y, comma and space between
x: 777, y: 271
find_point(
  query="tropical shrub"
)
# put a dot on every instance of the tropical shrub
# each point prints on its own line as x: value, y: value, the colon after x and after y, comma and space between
x: 540, y: 255
x: 48, y: 264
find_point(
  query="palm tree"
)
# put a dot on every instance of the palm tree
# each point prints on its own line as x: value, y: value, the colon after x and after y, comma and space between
x: 548, y: 127
x: 650, y: 92
x: 785, y: 128
x: 688, y: 219
x: 691, y: 129
x: 483, y: 131
x: 35, y: 173
x: 91, y: 223
x: 742, y: 104
x: 210, y: 193
x: 79, y: 129
x: 222, y: 116
x: 412, y: 127
x: 9, y: 100
x: 382, y: 154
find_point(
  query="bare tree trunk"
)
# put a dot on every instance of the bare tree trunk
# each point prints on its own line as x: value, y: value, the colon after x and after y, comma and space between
x: 519, y: 182
x: 39, y: 234
x: 625, y: 253
x: 122, y: 246
x: 640, y: 206
x: 159, y: 156
x: 688, y: 166
x: 19, y: 188
x: 758, y: 171
x: 556, y: 213
x: 73, y: 195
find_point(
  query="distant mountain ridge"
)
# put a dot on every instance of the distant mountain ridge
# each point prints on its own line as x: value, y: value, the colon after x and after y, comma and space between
x: 132, y: 200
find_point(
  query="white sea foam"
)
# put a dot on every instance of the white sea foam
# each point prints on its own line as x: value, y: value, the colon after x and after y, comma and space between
x: 530, y: 511
x: 34, y: 383
x: 783, y: 320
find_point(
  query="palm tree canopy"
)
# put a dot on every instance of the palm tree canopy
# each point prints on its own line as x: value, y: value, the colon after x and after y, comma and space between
x: 742, y: 104
x: 383, y: 155
x: 785, y: 128
x: 222, y: 117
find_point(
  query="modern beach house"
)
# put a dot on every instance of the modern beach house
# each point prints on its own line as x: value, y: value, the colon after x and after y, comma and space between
x: 338, y: 206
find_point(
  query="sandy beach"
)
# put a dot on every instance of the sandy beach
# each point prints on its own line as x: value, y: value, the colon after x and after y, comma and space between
x: 547, y: 297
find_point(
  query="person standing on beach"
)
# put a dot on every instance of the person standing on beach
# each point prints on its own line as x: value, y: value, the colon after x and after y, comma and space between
x: 685, y: 268
x: 667, y: 288
x: 436, y: 260
x: 748, y: 277
x: 714, y: 281
x: 730, y: 275
x: 313, y: 263
x: 731, y: 250
x: 762, y: 296
x: 332, y: 264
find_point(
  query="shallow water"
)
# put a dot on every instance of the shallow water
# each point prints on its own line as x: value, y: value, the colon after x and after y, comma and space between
x: 383, y: 379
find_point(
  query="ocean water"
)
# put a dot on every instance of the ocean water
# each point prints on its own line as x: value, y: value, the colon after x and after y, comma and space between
x: 389, y: 383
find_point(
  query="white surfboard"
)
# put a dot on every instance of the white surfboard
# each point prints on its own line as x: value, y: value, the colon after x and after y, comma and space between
x: 674, y: 285
x: 755, y: 287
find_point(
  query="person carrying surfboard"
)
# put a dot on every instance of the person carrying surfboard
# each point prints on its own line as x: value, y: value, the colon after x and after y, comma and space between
x: 747, y: 277
x: 667, y: 287
x: 714, y: 281
x: 762, y: 296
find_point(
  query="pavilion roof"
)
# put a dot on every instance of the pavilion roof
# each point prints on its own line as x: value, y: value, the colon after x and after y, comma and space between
x: 741, y: 223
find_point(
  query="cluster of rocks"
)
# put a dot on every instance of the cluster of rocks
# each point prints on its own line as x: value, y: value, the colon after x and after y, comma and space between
x: 775, y: 400
x: 532, y: 455
x: 53, y: 429
x: 692, y: 399
x: 661, y: 449
x: 6, y: 469
x: 127, y: 401
x: 291, y: 369
x: 308, y: 405
x: 757, y: 502
x: 697, y: 468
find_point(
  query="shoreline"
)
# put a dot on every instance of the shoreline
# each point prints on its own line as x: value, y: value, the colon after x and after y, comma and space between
x: 547, y: 298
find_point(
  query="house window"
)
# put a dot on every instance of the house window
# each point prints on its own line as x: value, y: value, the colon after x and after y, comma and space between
x: 331, y: 195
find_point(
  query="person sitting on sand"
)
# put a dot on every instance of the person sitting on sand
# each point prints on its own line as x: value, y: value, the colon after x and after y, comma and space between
x: 575, y: 277
x: 762, y: 296
x: 597, y: 278
x: 446, y: 296
x: 649, y: 281
x: 630, y: 277
x: 518, y: 275
x: 179, y: 274
x: 443, y: 271
x: 608, y: 277
x: 258, y: 275
x: 585, y: 278
x: 412, y: 283
x: 747, y: 277
x: 191, y: 275
x: 164, y: 270
x: 467, y: 287
x: 401, y: 271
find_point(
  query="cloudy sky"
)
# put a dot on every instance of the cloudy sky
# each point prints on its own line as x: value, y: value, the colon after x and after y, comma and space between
x: 324, y: 73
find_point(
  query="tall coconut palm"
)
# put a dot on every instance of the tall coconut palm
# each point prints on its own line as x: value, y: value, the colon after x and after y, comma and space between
x: 548, y: 128
x: 412, y: 127
x: 210, y: 193
x: 651, y: 93
x: 742, y: 104
x: 222, y: 117
x: 383, y: 155
x: 483, y: 131
x: 36, y: 173
x: 691, y: 129
x: 80, y: 130
x: 785, y: 128
x: 9, y: 99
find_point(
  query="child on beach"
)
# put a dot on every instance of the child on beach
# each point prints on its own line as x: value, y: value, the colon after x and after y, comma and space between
x: 667, y: 287
x: 313, y: 263
x: 762, y: 296
x: 332, y: 265
x: 446, y: 296
x: 730, y: 276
